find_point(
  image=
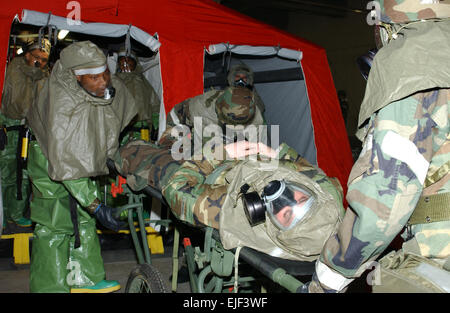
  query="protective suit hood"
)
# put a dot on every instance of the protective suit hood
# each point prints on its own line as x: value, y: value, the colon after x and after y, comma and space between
x: 77, y: 132
x: 82, y: 55
x: 146, y: 98
x: 20, y: 88
x: 417, y: 60
x: 302, y: 242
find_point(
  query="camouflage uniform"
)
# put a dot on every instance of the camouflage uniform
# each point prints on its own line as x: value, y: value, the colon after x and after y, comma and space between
x: 216, y: 109
x: 145, y: 164
x: 194, y: 190
x: 405, y: 155
x: 197, y: 190
x: 247, y: 71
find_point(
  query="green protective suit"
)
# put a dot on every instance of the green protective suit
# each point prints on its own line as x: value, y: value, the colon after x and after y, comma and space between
x: 53, y: 243
x: 21, y: 85
x: 76, y: 133
x: 14, y: 209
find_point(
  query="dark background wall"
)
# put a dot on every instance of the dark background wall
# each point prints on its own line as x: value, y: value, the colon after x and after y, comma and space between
x: 339, y: 26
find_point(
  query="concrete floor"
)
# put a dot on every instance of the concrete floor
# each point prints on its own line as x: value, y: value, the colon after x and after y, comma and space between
x: 119, y: 259
x: 118, y: 265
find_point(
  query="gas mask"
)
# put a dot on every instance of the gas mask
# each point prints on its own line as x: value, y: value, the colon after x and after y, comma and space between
x: 126, y: 68
x: 242, y: 83
x: 110, y: 92
x: 37, y: 64
x: 126, y: 64
x: 286, y: 203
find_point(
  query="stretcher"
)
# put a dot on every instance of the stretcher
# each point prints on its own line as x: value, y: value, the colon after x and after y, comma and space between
x: 211, y: 268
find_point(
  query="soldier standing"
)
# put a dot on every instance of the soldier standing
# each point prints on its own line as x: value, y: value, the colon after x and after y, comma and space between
x: 21, y: 86
x: 401, y: 177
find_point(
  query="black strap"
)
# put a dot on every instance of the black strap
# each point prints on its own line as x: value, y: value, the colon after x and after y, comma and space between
x: 15, y: 127
x: 74, y: 218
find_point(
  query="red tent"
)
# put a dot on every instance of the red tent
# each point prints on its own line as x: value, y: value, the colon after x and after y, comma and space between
x: 185, y: 29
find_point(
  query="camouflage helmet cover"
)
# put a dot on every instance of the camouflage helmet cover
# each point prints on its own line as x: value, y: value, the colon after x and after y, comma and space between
x: 240, y: 69
x: 236, y: 106
x: 44, y: 45
x: 404, y: 11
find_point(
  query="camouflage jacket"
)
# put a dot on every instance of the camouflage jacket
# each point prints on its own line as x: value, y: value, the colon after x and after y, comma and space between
x: 204, y: 107
x: 407, y: 143
x: 197, y: 190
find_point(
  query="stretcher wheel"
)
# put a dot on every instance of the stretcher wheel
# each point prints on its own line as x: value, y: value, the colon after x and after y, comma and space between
x: 145, y: 278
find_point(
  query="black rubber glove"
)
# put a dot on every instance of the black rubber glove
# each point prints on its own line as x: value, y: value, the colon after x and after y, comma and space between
x: 3, y: 138
x: 107, y: 217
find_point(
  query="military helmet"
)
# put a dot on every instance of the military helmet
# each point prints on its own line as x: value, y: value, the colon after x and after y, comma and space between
x: 44, y: 45
x: 236, y: 106
x: 240, y: 69
x: 404, y: 11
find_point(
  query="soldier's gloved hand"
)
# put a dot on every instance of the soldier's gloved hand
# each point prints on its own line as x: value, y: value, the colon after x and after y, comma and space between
x: 108, y: 217
x: 3, y: 137
x: 314, y: 286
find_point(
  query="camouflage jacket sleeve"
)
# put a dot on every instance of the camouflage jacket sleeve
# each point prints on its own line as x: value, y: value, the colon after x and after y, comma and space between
x: 385, y: 183
x: 196, y: 192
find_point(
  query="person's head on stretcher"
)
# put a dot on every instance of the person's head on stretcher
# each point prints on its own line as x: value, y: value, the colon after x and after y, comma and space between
x: 287, y: 203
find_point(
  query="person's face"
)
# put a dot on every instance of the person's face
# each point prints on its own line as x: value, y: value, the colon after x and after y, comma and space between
x: 127, y: 64
x: 95, y: 83
x: 36, y: 58
x: 286, y: 215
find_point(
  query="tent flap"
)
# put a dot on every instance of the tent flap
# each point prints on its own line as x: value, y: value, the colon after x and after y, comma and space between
x: 251, y: 50
x: 98, y: 29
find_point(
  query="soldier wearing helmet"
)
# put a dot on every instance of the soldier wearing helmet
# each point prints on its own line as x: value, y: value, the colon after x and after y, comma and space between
x: 400, y: 183
x: 232, y: 113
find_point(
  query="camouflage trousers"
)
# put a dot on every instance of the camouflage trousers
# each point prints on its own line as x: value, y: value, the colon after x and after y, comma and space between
x: 145, y: 164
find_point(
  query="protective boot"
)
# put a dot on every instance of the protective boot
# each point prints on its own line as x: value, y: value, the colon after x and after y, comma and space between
x: 23, y: 222
x: 104, y: 286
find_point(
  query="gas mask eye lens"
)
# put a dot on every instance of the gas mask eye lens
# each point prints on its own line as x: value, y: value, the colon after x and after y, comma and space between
x: 286, y: 204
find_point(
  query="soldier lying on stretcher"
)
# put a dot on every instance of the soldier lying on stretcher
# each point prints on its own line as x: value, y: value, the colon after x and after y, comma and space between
x: 235, y: 195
